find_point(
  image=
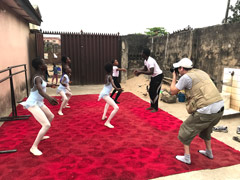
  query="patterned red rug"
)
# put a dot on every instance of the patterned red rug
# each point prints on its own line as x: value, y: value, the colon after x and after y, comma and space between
x: 142, y: 145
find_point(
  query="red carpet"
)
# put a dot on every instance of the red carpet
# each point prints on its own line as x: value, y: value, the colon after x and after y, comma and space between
x: 141, y: 146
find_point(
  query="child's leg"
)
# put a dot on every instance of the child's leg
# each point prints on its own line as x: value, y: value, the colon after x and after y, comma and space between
x: 49, y: 115
x: 69, y: 95
x: 56, y: 78
x: 111, y: 102
x: 113, y: 92
x: 40, y: 116
x: 64, y: 102
x: 105, y: 111
x: 118, y: 94
x: 52, y: 79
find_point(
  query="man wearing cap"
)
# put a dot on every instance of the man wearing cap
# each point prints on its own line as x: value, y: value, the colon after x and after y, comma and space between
x: 204, y: 104
x: 151, y: 68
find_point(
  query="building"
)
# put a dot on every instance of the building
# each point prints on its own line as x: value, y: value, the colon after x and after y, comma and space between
x: 15, y: 16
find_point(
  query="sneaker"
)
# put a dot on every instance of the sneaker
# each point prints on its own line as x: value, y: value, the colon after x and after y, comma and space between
x: 184, y: 159
x: 238, y: 130
x: 220, y: 129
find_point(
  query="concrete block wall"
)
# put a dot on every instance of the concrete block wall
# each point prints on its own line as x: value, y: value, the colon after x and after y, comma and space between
x: 231, y: 85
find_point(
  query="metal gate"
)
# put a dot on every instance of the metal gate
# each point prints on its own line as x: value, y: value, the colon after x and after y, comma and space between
x: 89, y: 52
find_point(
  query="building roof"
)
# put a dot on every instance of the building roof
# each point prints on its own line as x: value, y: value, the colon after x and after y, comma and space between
x: 25, y: 10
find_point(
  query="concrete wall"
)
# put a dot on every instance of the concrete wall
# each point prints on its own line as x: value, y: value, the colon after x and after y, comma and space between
x: 132, y: 46
x: 215, y: 48
x: 211, y: 49
x: 14, y: 35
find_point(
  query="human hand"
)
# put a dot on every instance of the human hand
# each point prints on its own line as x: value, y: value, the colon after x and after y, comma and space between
x: 119, y: 89
x: 174, y: 75
x: 53, y: 86
x: 52, y: 101
x: 136, y: 73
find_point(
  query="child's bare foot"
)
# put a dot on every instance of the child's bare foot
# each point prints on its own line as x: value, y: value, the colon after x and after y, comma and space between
x: 45, y: 137
x: 60, y: 113
x: 35, y: 151
x: 104, y: 118
x: 108, y: 125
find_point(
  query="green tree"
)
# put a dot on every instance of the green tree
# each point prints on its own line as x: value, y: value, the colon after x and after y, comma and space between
x: 235, y: 13
x: 156, y: 31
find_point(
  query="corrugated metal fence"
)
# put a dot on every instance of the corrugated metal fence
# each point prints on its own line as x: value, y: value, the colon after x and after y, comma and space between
x: 89, y: 53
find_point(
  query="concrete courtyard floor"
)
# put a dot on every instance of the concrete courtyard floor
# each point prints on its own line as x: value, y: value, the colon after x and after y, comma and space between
x: 137, y: 86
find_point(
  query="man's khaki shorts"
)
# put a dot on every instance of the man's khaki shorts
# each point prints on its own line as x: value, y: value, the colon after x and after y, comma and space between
x: 198, y: 123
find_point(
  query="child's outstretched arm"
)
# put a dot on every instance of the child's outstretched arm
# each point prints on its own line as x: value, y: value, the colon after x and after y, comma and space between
x: 121, y: 69
x: 38, y: 82
x: 51, y: 85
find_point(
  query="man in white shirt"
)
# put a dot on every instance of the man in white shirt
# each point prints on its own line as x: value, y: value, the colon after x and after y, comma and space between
x: 204, y: 104
x: 151, y: 68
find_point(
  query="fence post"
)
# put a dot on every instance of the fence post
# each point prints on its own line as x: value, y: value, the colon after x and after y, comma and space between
x: 14, y: 109
x: 26, y: 79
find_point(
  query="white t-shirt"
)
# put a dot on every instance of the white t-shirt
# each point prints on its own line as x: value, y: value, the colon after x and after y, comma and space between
x: 115, y: 72
x: 185, y: 82
x: 151, y: 63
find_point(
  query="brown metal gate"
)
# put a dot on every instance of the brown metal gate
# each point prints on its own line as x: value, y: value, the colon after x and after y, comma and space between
x: 89, y: 53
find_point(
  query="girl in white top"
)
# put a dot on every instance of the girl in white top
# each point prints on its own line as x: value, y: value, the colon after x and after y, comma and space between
x: 115, y: 76
x: 64, y: 90
x: 109, y: 84
x: 36, y: 106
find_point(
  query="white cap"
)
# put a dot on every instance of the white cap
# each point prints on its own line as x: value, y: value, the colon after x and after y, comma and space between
x: 185, y: 62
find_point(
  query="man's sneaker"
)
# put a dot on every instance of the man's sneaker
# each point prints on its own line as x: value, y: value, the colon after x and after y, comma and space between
x: 220, y: 129
x: 238, y: 130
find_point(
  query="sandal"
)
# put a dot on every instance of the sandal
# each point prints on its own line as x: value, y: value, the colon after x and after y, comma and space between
x: 220, y: 129
x: 238, y: 130
x: 236, y: 138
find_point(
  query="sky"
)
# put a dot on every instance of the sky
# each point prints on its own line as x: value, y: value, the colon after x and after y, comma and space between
x: 129, y: 16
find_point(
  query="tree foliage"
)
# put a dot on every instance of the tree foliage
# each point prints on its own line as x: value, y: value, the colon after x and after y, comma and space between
x: 156, y: 31
x: 235, y: 13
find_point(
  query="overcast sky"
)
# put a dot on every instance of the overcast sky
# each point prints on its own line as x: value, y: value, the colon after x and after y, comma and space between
x: 129, y: 16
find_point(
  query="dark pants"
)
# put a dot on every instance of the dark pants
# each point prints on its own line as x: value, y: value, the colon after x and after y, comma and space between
x: 117, y: 84
x: 154, y: 90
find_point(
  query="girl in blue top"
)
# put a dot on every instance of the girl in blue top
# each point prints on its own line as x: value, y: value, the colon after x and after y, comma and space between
x: 109, y: 84
x: 55, y: 73
x: 64, y: 90
x: 36, y: 106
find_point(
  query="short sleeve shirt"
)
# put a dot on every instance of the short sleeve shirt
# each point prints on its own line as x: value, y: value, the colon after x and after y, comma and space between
x: 185, y: 82
x: 151, y: 63
x: 55, y: 70
x: 115, y: 71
